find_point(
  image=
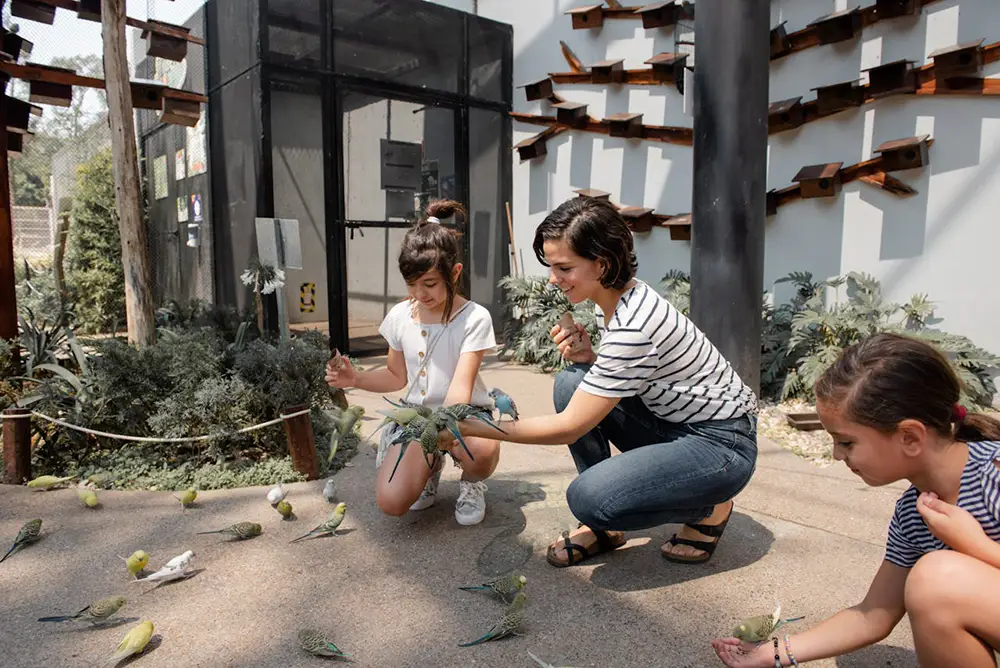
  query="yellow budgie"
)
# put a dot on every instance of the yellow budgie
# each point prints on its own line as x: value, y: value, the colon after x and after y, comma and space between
x: 47, y: 482
x: 87, y: 496
x: 136, y: 562
x: 134, y: 641
x: 187, y: 497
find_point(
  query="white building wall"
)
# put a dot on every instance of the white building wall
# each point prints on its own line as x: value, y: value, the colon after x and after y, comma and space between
x: 943, y: 241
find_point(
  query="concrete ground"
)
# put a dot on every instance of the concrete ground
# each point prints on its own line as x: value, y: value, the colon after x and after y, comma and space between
x: 386, y: 590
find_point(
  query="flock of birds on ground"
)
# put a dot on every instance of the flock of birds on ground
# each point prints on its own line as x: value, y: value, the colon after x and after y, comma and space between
x: 418, y: 424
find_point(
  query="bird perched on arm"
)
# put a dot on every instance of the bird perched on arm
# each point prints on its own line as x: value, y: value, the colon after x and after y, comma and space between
x: 504, y: 403
x: 760, y: 628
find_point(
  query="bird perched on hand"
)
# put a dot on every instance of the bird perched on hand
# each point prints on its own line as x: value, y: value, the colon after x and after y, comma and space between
x: 329, y: 527
x: 760, y: 628
x: 501, y: 586
x: 29, y: 533
x: 468, y: 411
x: 507, y: 623
x: 96, y: 612
x: 504, y: 403
x: 47, y: 482
x: 316, y: 644
x: 135, y: 562
x: 134, y: 641
x: 239, y: 531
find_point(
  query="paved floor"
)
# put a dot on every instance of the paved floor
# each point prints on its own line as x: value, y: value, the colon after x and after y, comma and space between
x: 386, y: 589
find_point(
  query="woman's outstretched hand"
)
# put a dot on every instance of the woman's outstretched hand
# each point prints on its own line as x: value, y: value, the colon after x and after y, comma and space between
x: 574, y: 344
x: 738, y: 654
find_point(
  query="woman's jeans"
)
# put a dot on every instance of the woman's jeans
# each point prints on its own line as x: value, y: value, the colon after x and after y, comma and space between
x: 666, y: 473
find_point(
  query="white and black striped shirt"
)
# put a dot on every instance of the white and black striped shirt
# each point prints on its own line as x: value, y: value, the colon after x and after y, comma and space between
x: 979, y: 493
x: 651, y: 350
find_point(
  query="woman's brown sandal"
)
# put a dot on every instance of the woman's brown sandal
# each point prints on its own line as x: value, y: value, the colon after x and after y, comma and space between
x: 605, y: 543
x: 708, y: 547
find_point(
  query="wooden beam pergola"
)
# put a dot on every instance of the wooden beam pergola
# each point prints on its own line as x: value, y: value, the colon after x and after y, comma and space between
x: 157, y: 27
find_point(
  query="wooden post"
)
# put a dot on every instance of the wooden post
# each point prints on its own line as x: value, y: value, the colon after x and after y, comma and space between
x: 135, y: 259
x: 513, y: 254
x: 58, y: 254
x: 8, y: 295
x: 17, y: 446
x: 301, y: 443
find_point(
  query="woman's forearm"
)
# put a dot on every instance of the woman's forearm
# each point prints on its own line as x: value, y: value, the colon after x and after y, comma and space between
x: 379, y: 381
x: 845, y: 632
x: 545, y: 430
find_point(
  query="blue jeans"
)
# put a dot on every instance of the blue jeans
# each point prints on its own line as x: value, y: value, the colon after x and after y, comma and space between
x: 666, y: 473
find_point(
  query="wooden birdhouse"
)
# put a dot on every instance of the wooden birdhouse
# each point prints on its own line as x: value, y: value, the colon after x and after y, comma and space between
x: 890, y: 9
x: 961, y: 60
x: 639, y: 219
x: 780, y: 44
x: 33, y: 11
x: 838, y: 96
x: 593, y: 193
x: 538, y: 90
x: 169, y: 47
x: 679, y: 226
x: 147, y: 94
x: 771, y: 203
x: 18, y: 114
x: 591, y: 16
x: 819, y: 180
x: 89, y: 10
x: 785, y: 114
x: 658, y: 14
x: 46, y: 92
x: 15, y: 142
x: 625, y: 125
x: 608, y: 71
x: 895, y: 77
x: 668, y: 67
x: 838, y: 27
x: 13, y: 45
x: 532, y: 147
x: 907, y: 153
x: 180, y: 112
x: 571, y: 113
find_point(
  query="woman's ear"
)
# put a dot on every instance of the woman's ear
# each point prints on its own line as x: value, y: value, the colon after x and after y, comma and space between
x: 456, y: 271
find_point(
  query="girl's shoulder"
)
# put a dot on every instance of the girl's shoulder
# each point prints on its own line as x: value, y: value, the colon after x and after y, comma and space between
x: 475, y: 313
x: 400, y: 315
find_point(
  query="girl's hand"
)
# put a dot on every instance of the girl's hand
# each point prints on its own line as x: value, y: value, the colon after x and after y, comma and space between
x: 954, y: 526
x: 738, y: 654
x: 574, y: 344
x: 340, y: 373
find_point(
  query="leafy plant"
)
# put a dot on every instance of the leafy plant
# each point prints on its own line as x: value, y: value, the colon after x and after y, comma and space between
x: 675, y: 286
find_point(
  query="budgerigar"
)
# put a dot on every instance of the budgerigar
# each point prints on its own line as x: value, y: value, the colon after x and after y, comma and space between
x: 87, y: 496
x: 330, y: 491
x: 134, y: 641
x: 343, y: 424
x: 760, y: 628
x: 29, y: 532
x: 136, y: 562
x: 175, y: 569
x: 187, y: 497
x: 330, y: 526
x: 504, y: 403
x: 501, y: 586
x: 413, y: 431
x: 99, y: 479
x: 276, y: 494
x: 316, y: 643
x: 284, y: 509
x: 470, y: 412
x: 422, y: 411
x: 96, y: 612
x: 507, y: 623
x: 400, y: 416
x: 239, y: 531
x: 47, y: 482
x: 181, y: 561
x: 442, y: 419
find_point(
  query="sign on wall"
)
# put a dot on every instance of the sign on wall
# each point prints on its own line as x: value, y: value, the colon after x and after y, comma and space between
x: 401, y: 168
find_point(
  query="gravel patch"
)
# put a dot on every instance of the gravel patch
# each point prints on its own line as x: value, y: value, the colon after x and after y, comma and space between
x: 816, y: 446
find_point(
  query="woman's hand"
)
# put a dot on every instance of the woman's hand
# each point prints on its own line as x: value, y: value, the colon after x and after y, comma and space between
x: 738, y: 654
x: 954, y: 526
x: 340, y: 372
x: 574, y: 344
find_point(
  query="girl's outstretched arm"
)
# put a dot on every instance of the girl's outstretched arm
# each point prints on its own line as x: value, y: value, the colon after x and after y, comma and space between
x: 866, y: 623
x: 390, y: 379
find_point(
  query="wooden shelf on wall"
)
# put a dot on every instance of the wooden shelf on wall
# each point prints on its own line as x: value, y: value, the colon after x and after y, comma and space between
x: 653, y: 15
x: 85, y: 10
x: 643, y: 219
x: 662, y: 133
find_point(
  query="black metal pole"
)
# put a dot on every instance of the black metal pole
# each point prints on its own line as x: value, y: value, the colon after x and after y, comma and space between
x: 732, y: 51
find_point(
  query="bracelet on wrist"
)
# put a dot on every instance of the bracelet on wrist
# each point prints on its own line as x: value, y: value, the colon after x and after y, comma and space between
x: 777, y: 655
x: 788, y: 651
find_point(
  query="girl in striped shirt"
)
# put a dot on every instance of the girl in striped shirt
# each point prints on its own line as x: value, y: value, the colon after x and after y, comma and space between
x: 891, y: 405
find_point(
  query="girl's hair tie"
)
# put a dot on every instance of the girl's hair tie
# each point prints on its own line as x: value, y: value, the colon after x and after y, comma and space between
x: 433, y: 219
x: 958, y: 413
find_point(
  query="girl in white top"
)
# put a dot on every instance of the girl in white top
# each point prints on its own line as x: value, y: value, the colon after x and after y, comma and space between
x: 437, y: 340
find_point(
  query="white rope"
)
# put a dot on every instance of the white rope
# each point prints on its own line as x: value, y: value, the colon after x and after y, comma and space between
x: 148, y: 439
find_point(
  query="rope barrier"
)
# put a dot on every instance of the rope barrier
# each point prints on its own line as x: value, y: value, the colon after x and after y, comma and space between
x: 150, y: 439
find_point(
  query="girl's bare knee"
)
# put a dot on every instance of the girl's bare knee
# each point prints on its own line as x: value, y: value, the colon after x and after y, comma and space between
x: 933, y: 582
x: 392, y: 504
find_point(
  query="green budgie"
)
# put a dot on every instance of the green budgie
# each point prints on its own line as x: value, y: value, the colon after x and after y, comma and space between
x: 239, y: 531
x: 469, y: 412
x: 506, y: 625
x: 442, y: 419
x: 329, y: 527
x: 47, y: 482
x: 87, y: 496
x: 134, y: 641
x: 29, y: 532
x: 316, y: 643
x: 413, y: 431
x: 187, y: 497
x: 284, y: 509
x: 760, y: 628
x: 422, y: 410
x: 344, y: 422
x: 543, y: 664
x: 98, y: 611
x: 99, y: 479
x: 400, y: 416
x: 135, y: 562
x: 501, y: 586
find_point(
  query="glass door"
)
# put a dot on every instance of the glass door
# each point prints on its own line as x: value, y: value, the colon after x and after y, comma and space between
x: 397, y: 155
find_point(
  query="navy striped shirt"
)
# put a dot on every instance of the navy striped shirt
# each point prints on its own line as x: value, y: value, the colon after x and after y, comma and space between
x: 979, y: 493
x: 651, y: 350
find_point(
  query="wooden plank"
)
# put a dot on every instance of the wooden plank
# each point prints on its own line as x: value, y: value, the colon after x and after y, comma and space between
x: 641, y: 77
x: 667, y: 134
x: 889, y: 183
x: 59, y: 76
x: 17, y: 446
x: 8, y: 293
x: 74, y: 6
x: 571, y: 59
x: 302, y: 443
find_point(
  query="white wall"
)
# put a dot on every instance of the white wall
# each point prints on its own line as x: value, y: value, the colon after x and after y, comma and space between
x: 942, y: 241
